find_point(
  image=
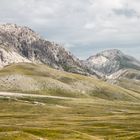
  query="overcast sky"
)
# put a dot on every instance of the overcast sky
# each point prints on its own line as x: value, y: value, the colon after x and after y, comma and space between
x: 83, y: 26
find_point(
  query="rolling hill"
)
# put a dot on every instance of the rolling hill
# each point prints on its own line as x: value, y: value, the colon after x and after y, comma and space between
x: 41, y: 79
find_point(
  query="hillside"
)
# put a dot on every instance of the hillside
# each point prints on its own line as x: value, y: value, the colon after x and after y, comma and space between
x: 128, y: 78
x: 40, y: 79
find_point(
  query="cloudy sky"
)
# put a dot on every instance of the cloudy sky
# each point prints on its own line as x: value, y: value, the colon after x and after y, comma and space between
x: 82, y: 26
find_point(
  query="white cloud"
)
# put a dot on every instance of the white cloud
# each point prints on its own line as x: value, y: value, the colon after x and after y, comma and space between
x: 78, y: 22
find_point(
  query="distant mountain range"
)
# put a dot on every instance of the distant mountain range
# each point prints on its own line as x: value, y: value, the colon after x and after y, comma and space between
x: 21, y: 44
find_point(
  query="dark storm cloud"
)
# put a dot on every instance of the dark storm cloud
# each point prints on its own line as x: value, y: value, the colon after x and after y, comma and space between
x: 126, y: 12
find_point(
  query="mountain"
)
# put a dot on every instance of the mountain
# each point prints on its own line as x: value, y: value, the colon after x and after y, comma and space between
x: 111, y: 61
x: 21, y: 44
x: 116, y: 68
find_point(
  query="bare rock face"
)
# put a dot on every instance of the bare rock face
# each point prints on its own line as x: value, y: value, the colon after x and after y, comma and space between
x: 9, y: 57
x: 21, y: 44
x: 111, y: 61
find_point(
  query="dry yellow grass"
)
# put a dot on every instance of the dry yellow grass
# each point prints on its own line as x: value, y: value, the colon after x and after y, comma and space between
x: 97, y: 110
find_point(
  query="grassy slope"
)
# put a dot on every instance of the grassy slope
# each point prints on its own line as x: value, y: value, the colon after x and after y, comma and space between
x: 41, y: 79
x: 99, y: 111
x: 130, y: 80
x: 77, y: 119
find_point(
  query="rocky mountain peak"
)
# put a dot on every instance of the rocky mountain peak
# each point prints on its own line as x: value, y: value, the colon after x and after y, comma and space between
x: 30, y: 47
x: 110, y: 61
x: 111, y: 53
x: 13, y: 31
x: 107, y: 54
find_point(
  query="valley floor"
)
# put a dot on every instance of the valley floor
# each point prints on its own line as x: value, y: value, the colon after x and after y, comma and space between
x: 51, y: 118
